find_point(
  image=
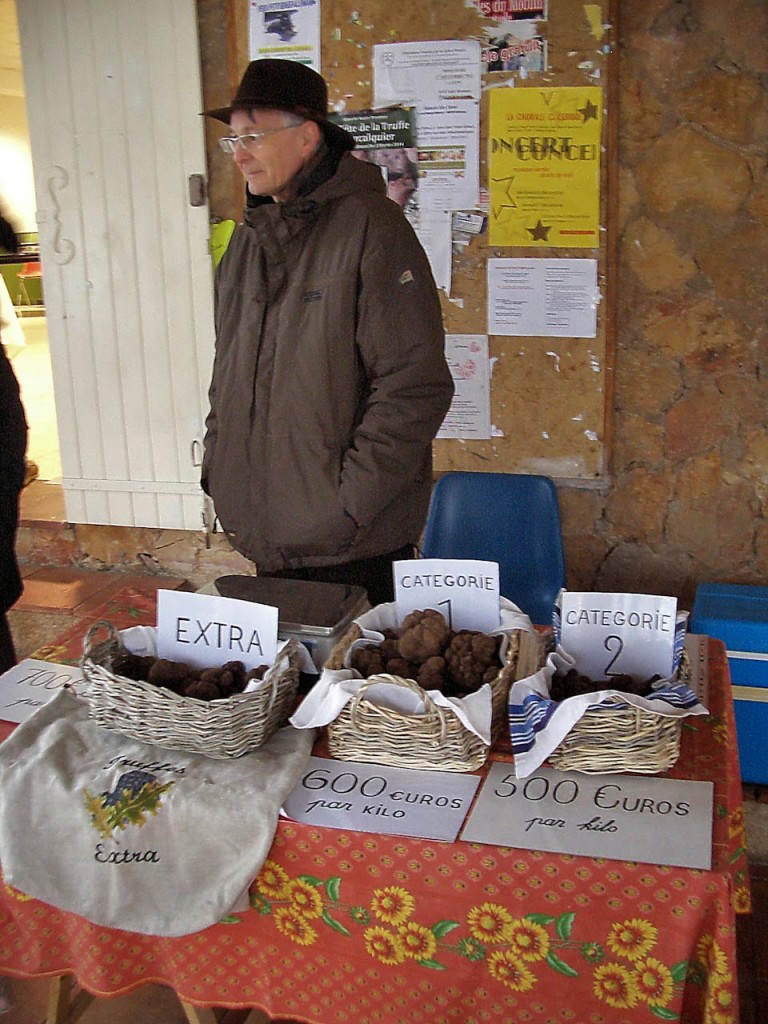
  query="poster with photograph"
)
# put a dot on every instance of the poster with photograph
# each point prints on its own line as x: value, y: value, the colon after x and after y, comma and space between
x: 387, y: 138
x: 285, y: 28
x: 513, y: 40
x: 449, y: 155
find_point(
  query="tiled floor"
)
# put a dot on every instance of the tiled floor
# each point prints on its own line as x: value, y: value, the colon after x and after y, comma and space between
x: 57, y: 598
x: 753, y: 962
x: 150, y: 1004
x: 42, y: 501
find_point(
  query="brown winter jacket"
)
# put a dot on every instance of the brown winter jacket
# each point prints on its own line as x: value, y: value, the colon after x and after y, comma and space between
x: 330, y: 380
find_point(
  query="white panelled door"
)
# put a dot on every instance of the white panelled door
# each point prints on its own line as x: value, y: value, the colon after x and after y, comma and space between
x: 113, y: 100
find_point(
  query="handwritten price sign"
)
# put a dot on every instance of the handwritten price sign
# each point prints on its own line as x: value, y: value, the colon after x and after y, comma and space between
x: 376, y: 798
x: 624, y: 817
x: 30, y: 684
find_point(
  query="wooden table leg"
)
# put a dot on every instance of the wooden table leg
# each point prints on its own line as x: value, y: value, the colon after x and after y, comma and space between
x: 199, y: 1014
x: 62, y: 1007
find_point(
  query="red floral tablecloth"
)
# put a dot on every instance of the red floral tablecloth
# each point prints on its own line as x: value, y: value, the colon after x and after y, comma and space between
x: 353, y: 928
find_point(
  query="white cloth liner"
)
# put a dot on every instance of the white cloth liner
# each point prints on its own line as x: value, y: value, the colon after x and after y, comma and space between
x: 336, y: 687
x: 195, y: 831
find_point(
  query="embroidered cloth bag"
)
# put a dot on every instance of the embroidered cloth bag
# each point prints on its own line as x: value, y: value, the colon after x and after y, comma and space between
x: 131, y: 835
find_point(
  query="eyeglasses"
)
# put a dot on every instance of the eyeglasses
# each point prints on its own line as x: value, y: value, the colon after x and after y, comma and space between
x: 249, y: 142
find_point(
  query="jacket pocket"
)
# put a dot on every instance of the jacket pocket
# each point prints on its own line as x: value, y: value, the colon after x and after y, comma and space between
x: 306, y: 515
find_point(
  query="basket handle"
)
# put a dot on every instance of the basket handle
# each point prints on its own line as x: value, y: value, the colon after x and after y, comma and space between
x: 286, y: 661
x: 88, y: 645
x: 408, y: 684
x: 88, y: 641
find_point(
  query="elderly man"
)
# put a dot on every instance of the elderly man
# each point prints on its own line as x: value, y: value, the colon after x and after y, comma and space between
x: 330, y: 380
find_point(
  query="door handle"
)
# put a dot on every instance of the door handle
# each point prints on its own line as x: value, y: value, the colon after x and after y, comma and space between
x: 196, y: 183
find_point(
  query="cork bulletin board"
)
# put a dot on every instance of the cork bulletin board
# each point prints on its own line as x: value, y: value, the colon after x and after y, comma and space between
x: 551, y: 397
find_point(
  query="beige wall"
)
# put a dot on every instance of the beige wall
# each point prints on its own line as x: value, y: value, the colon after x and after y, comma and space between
x: 17, y: 186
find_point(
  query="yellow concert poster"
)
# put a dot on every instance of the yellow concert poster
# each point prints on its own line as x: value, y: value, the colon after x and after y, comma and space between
x: 544, y: 167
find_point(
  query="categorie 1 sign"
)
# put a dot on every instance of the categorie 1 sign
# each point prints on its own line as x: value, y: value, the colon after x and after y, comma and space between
x: 466, y: 591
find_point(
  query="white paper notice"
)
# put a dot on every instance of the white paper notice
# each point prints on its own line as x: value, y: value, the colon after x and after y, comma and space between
x: 449, y: 155
x: 377, y: 798
x: 470, y: 413
x: 466, y: 591
x: 30, y: 684
x: 207, y: 631
x: 622, y: 817
x: 425, y: 72
x: 616, y: 634
x: 555, y: 298
x: 433, y: 228
x: 285, y: 28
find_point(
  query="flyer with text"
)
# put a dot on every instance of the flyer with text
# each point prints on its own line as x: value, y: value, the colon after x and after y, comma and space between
x: 544, y: 167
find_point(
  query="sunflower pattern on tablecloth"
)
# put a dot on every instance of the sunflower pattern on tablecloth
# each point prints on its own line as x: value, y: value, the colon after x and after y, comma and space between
x: 518, y: 951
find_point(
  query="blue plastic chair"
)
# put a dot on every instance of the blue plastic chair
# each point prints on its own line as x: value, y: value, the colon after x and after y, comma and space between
x: 509, y: 518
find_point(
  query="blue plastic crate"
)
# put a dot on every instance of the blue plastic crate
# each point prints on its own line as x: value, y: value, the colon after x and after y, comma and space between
x: 738, y: 615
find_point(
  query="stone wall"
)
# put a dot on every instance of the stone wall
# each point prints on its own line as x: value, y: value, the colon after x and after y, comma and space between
x: 688, y: 490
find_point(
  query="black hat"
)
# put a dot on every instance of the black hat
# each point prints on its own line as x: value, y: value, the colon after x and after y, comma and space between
x: 285, y: 85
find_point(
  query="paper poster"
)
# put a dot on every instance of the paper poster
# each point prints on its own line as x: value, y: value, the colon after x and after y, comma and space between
x: 512, y: 39
x: 544, y: 167
x: 543, y: 298
x: 425, y: 72
x: 387, y: 138
x: 503, y: 11
x: 515, y: 49
x: 433, y: 228
x: 470, y: 413
x: 289, y: 29
x: 449, y: 155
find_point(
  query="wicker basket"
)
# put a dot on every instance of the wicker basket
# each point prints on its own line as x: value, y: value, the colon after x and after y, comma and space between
x: 228, y: 727
x: 437, y: 739
x: 621, y: 738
